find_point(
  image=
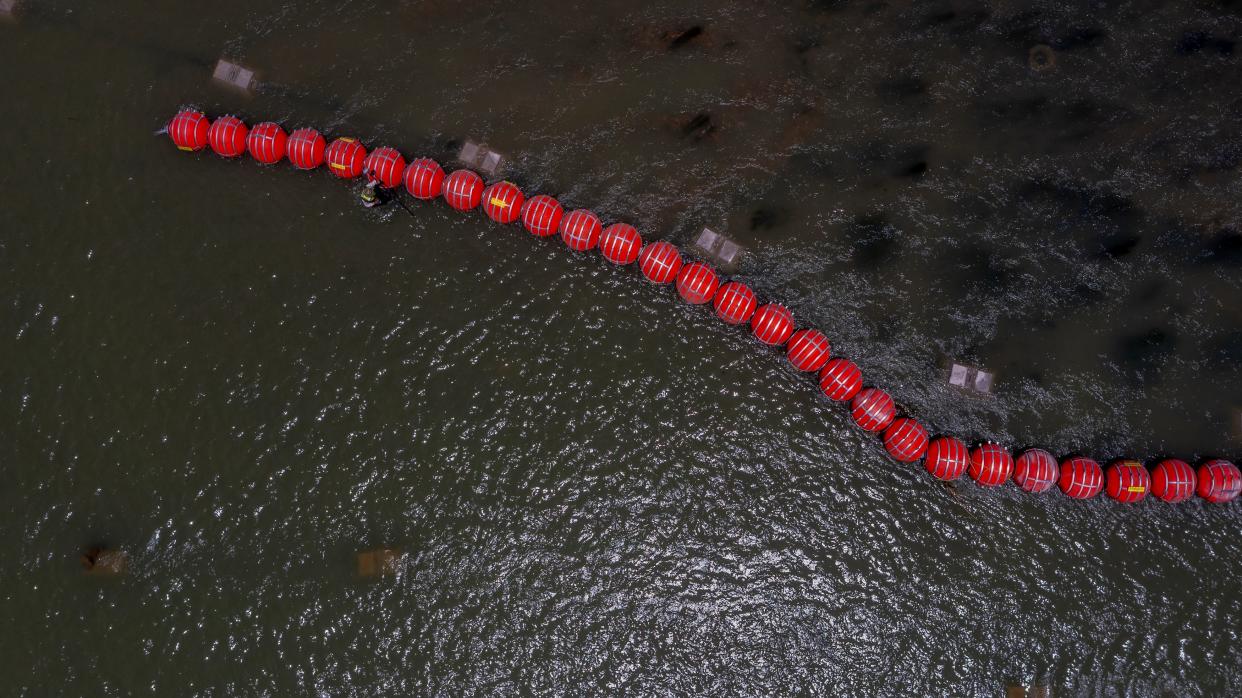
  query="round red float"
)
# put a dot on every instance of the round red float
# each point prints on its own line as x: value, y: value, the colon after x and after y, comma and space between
x: 1127, y: 481
x: 808, y: 350
x: 840, y: 379
x: 872, y: 409
x: 305, y: 148
x: 947, y: 458
x: 1173, y: 481
x: 463, y: 190
x: 991, y: 464
x: 266, y: 143
x: 580, y: 229
x: 620, y: 243
x: 1081, y: 477
x: 697, y: 283
x: 1035, y: 470
x: 660, y: 262
x: 345, y: 157
x: 188, y: 130
x: 384, y: 165
x: 424, y: 178
x: 1219, y: 481
x: 772, y: 324
x: 502, y: 202
x: 905, y: 440
x: 227, y: 136
x: 735, y: 303
x: 541, y: 214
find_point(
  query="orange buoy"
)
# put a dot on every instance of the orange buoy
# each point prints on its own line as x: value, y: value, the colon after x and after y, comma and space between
x: 227, y: 136
x: 1127, y: 481
x: 305, y: 148
x: 266, y: 143
x: 188, y: 130
x: 345, y: 156
x: 1219, y: 481
x: 1035, y: 470
x: 384, y: 165
x: 502, y: 202
x: 872, y: 409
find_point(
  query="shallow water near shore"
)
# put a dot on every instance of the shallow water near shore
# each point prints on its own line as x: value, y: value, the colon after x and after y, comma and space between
x: 242, y: 379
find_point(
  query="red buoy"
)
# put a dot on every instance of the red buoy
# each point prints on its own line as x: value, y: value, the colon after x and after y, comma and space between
x: 424, y: 178
x: 734, y: 303
x: 345, y: 157
x: 1081, y: 477
x: 266, y: 143
x: 580, y: 229
x: 1172, y: 481
x: 305, y: 148
x: 227, y: 136
x: 697, y: 283
x: 772, y: 324
x: 1035, y: 470
x: 502, y: 202
x: 872, y: 409
x: 1127, y: 481
x: 905, y: 440
x: 991, y: 464
x: 840, y: 379
x: 660, y: 262
x: 808, y: 350
x: 384, y: 165
x: 947, y: 458
x: 463, y: 190
x: 1219, y: 481
x: 620, y: 243
x: 541, y: 214
x: 188, y: 130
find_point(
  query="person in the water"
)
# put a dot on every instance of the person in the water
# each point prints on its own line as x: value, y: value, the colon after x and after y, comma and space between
x: 372, y: 194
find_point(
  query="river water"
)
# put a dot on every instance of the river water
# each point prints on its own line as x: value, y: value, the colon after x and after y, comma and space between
x: 241, y: 379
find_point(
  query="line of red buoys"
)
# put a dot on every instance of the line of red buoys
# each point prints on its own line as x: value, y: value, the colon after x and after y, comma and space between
x: 872, y: 409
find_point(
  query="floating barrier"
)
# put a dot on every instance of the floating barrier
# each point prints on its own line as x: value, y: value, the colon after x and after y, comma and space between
x: 945, y: 457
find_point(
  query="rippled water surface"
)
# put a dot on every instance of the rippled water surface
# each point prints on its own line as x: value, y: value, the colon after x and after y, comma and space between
x: 241, y: 379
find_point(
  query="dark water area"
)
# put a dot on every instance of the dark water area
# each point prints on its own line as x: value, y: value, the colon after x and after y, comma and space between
x: 241, y: 379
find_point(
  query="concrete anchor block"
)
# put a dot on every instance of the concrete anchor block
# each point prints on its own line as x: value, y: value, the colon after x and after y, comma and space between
x: 234, y: 75
x: 105, y: 562
x: 379, y: 562
x: 971, y: 378
x: 481, y: 158
x: 718, y: 249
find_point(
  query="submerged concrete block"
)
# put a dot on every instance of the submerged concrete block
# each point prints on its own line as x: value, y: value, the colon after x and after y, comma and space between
x: 234, y: 75
x: 971, y: 378
x: 1031, y: 691
x: 379, y: 562
x: 480, y: 157
x: 105, y: 562
x: 718, y: 249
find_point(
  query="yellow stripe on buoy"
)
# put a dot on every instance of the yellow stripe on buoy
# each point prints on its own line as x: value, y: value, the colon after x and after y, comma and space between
x: 499, y: 202
x: 337, y: 166
x: 185, y: 148
x: 1139, y: 488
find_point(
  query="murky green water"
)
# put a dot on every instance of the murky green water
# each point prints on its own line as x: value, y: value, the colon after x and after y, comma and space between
x: 241, y: 379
